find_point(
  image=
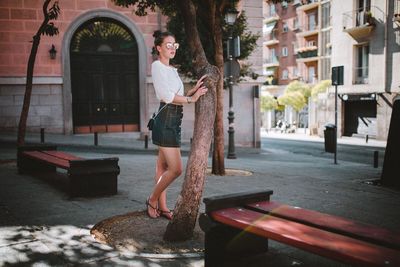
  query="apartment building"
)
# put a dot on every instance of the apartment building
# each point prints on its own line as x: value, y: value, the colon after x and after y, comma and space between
x: 296, y: 47
x: 366, y: 42
x: 363, y: 36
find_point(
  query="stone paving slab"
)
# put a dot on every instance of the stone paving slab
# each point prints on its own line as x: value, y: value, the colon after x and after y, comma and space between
x: 40, y: 224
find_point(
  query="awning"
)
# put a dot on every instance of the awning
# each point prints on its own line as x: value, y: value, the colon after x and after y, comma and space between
x: 269, y: 27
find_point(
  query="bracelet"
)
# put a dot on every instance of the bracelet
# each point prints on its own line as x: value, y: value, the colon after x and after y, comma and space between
x: 189, y: 99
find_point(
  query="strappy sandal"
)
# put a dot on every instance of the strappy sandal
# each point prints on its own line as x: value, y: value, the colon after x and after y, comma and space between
x: 166, y: 214
x: 147, y: 209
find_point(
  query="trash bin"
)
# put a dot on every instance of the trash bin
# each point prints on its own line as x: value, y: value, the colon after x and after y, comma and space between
x: 330, y: 138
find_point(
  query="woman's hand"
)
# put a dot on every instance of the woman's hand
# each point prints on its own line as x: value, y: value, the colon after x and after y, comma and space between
x: 198, y: 85
x: 200, y: 91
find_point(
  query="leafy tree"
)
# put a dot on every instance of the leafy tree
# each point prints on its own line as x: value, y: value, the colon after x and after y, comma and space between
x: 294, y: 99
x: 320, y: 87
x: 214, y: 29
x: 46, y: 28
x: 268, y: 102
x: 296, y: 95
x: 186, y: 210
x: 297, y: 86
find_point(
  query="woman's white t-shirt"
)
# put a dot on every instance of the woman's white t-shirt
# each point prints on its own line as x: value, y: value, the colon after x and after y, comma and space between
x: 166, y: 81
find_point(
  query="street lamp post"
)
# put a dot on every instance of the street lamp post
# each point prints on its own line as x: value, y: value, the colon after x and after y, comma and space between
x: 230, y: 19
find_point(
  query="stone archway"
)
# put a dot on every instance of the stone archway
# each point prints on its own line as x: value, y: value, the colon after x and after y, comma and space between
x: 66, y: 61
x: 104, y: 78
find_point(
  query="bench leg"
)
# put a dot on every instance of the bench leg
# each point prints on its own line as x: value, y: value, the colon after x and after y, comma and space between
x: 93, y: 184
x: 224, y: 243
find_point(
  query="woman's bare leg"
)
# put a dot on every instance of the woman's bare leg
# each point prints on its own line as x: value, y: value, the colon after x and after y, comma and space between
x: 172, y: 156
x: 161, y: 167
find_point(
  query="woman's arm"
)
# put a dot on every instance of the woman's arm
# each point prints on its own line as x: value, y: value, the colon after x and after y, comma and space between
x: 197, y: 86
x: 178, y: 99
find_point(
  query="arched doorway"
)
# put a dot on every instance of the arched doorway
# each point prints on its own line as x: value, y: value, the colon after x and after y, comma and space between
x: 104, y: 78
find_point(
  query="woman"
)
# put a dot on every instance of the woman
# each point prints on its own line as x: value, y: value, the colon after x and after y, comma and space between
x: 166, y: 133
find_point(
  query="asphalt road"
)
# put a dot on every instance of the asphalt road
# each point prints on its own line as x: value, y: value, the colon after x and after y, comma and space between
x: 349, y: 153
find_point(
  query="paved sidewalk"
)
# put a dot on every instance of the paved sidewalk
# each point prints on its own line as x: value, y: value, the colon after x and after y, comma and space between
x: 41, y: 226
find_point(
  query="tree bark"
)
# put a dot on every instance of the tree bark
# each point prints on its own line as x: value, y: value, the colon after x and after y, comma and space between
x: 29, y: 76
x: 186, y: 210
x: 218, y: 159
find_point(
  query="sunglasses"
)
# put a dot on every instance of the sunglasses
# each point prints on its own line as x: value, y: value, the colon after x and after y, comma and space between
x: 172, y: 46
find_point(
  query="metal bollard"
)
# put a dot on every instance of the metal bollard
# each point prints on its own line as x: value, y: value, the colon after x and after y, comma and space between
x: 191, y: 140
x: 96, y: 139
x: 376, y: 158
x: 42, y: 135
x: 366, y: 138
x: 146, y: 141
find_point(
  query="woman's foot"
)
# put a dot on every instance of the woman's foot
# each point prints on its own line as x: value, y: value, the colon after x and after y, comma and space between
x: 166, y: 214
x: 152, y: 211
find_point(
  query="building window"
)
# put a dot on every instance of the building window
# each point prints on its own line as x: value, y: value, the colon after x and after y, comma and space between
x: 325, y: 69
x: 285, y: 27
x: 362, y: 64
x: 326, y: 45
x: 326, y: 15
x: 272, y: 10
x: 284, y: 51
x: 312, y: 23
x: 364, y: 7
x: 285, y: 74
x: 311, y: 74
x: 272, y: 53
x: 295, y: 46
x: 296, y: 24
x: 295, y: 73
x: 312, y: 43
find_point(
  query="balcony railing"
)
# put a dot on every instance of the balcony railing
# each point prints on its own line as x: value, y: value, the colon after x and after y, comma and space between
x: 360, y: 75
x: 271, y: 60
x: 270, y: 39
x: 307, y: 54
x: 308, y: 4
x: 308, y: 30
x: 360, y: 22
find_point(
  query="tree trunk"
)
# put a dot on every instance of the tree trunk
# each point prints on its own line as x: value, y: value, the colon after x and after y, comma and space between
x: 29, y: 77
x: 218, y: 160
x: 186, y: 210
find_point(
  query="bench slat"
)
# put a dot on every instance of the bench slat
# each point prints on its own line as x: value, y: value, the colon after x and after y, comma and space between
x: 363, y: 231
x: 38, y: 155
x: 61, y: 155
x: 324, y: 243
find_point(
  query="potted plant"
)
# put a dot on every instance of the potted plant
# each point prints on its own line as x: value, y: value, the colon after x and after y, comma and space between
x: 368, y: 18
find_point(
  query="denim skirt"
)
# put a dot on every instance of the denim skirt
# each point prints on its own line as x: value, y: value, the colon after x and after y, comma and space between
x: 167, y: 126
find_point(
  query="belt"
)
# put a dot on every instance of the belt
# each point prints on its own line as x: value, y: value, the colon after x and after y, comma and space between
x: 171, y: 106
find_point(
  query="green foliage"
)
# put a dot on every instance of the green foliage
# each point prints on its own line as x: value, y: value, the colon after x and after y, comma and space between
x: 50, y: 29
x: 297, y: 86
x: 296, y: 95
x: 268, y: 102
x: 54, y: 11
x: 320, y: 87
x: 175, y: 25
x: 294, y: 99
x: 247, y: 42
x: 140, y: 7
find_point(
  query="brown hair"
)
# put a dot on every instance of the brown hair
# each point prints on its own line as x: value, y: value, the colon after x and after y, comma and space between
x: 159, y: 39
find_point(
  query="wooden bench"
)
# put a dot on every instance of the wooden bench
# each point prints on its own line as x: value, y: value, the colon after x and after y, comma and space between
x: 239, y: 225
x: 86, y: 177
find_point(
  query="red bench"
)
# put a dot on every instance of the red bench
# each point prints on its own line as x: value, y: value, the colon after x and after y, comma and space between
x: 240, y: 225
x: 86, y: 177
